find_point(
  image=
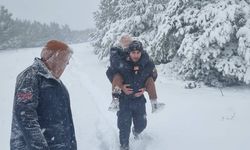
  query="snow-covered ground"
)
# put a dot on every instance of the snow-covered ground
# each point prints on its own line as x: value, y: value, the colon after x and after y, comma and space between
x: 197, y: 119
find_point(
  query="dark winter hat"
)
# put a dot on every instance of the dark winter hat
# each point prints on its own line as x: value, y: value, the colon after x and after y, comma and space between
x: 135, y: 45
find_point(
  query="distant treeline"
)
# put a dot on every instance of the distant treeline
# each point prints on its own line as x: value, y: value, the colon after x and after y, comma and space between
x: 15, y: 33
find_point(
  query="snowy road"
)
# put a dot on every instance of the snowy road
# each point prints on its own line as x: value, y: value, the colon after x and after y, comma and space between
x: 198, y: 119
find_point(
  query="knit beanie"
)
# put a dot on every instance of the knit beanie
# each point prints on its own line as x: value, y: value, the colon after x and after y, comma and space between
x: 135, y: 45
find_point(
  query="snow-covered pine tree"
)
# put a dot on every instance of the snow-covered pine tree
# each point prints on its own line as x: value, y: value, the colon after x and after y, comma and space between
x: 243, y: 35
x: 131, y: 16
x: 6, y: 24
x: 104, y: 17
x: 208, y: 39
x: 210, y: 54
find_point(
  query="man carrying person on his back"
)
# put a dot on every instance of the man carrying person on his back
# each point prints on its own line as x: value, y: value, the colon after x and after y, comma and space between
x: 118, y: 56
x: 135, y: 72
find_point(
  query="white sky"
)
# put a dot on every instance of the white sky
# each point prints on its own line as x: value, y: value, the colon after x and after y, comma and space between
x: 78, y: 14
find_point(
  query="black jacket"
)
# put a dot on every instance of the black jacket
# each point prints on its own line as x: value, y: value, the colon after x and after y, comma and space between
x: 137, y: 73
x: 42, y: 118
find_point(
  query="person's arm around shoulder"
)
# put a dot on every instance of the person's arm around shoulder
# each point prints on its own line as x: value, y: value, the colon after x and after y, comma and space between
x: 25, y: 105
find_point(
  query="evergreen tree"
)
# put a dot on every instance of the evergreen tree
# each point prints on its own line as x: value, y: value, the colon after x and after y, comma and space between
x: 6, y: 25
x: 207, y: 40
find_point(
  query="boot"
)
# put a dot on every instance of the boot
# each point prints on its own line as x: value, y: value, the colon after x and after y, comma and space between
x: 157, y: 106
x: 114, y: 105
x: 136, y: 135
x: 116, y: 93
x: 124, y: 147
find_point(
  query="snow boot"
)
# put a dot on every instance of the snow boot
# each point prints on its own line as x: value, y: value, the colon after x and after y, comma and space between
x: 136, y: 135
x: 116, y: 93
x: 124, y: 147
x: 157, y: 106
x: 114, y: 105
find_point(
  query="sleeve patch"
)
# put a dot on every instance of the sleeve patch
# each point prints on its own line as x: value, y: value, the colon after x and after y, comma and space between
x: 24, y: 96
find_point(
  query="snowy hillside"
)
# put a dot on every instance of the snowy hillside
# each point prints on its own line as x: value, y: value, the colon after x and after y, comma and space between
x: 197, y: 119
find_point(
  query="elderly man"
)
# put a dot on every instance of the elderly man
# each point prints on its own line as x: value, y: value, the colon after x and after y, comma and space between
x: 42, y: 118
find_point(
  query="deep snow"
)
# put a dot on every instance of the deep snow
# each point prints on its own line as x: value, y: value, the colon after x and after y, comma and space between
x: 197, y: 119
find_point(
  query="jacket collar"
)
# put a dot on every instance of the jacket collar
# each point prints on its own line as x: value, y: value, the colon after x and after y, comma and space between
x: 43, y: 70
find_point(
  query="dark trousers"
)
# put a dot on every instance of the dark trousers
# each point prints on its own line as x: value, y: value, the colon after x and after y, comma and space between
x: 131, y: 110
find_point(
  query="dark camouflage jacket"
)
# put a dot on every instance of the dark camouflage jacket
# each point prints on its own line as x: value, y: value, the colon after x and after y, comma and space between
x: 42, y: 118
